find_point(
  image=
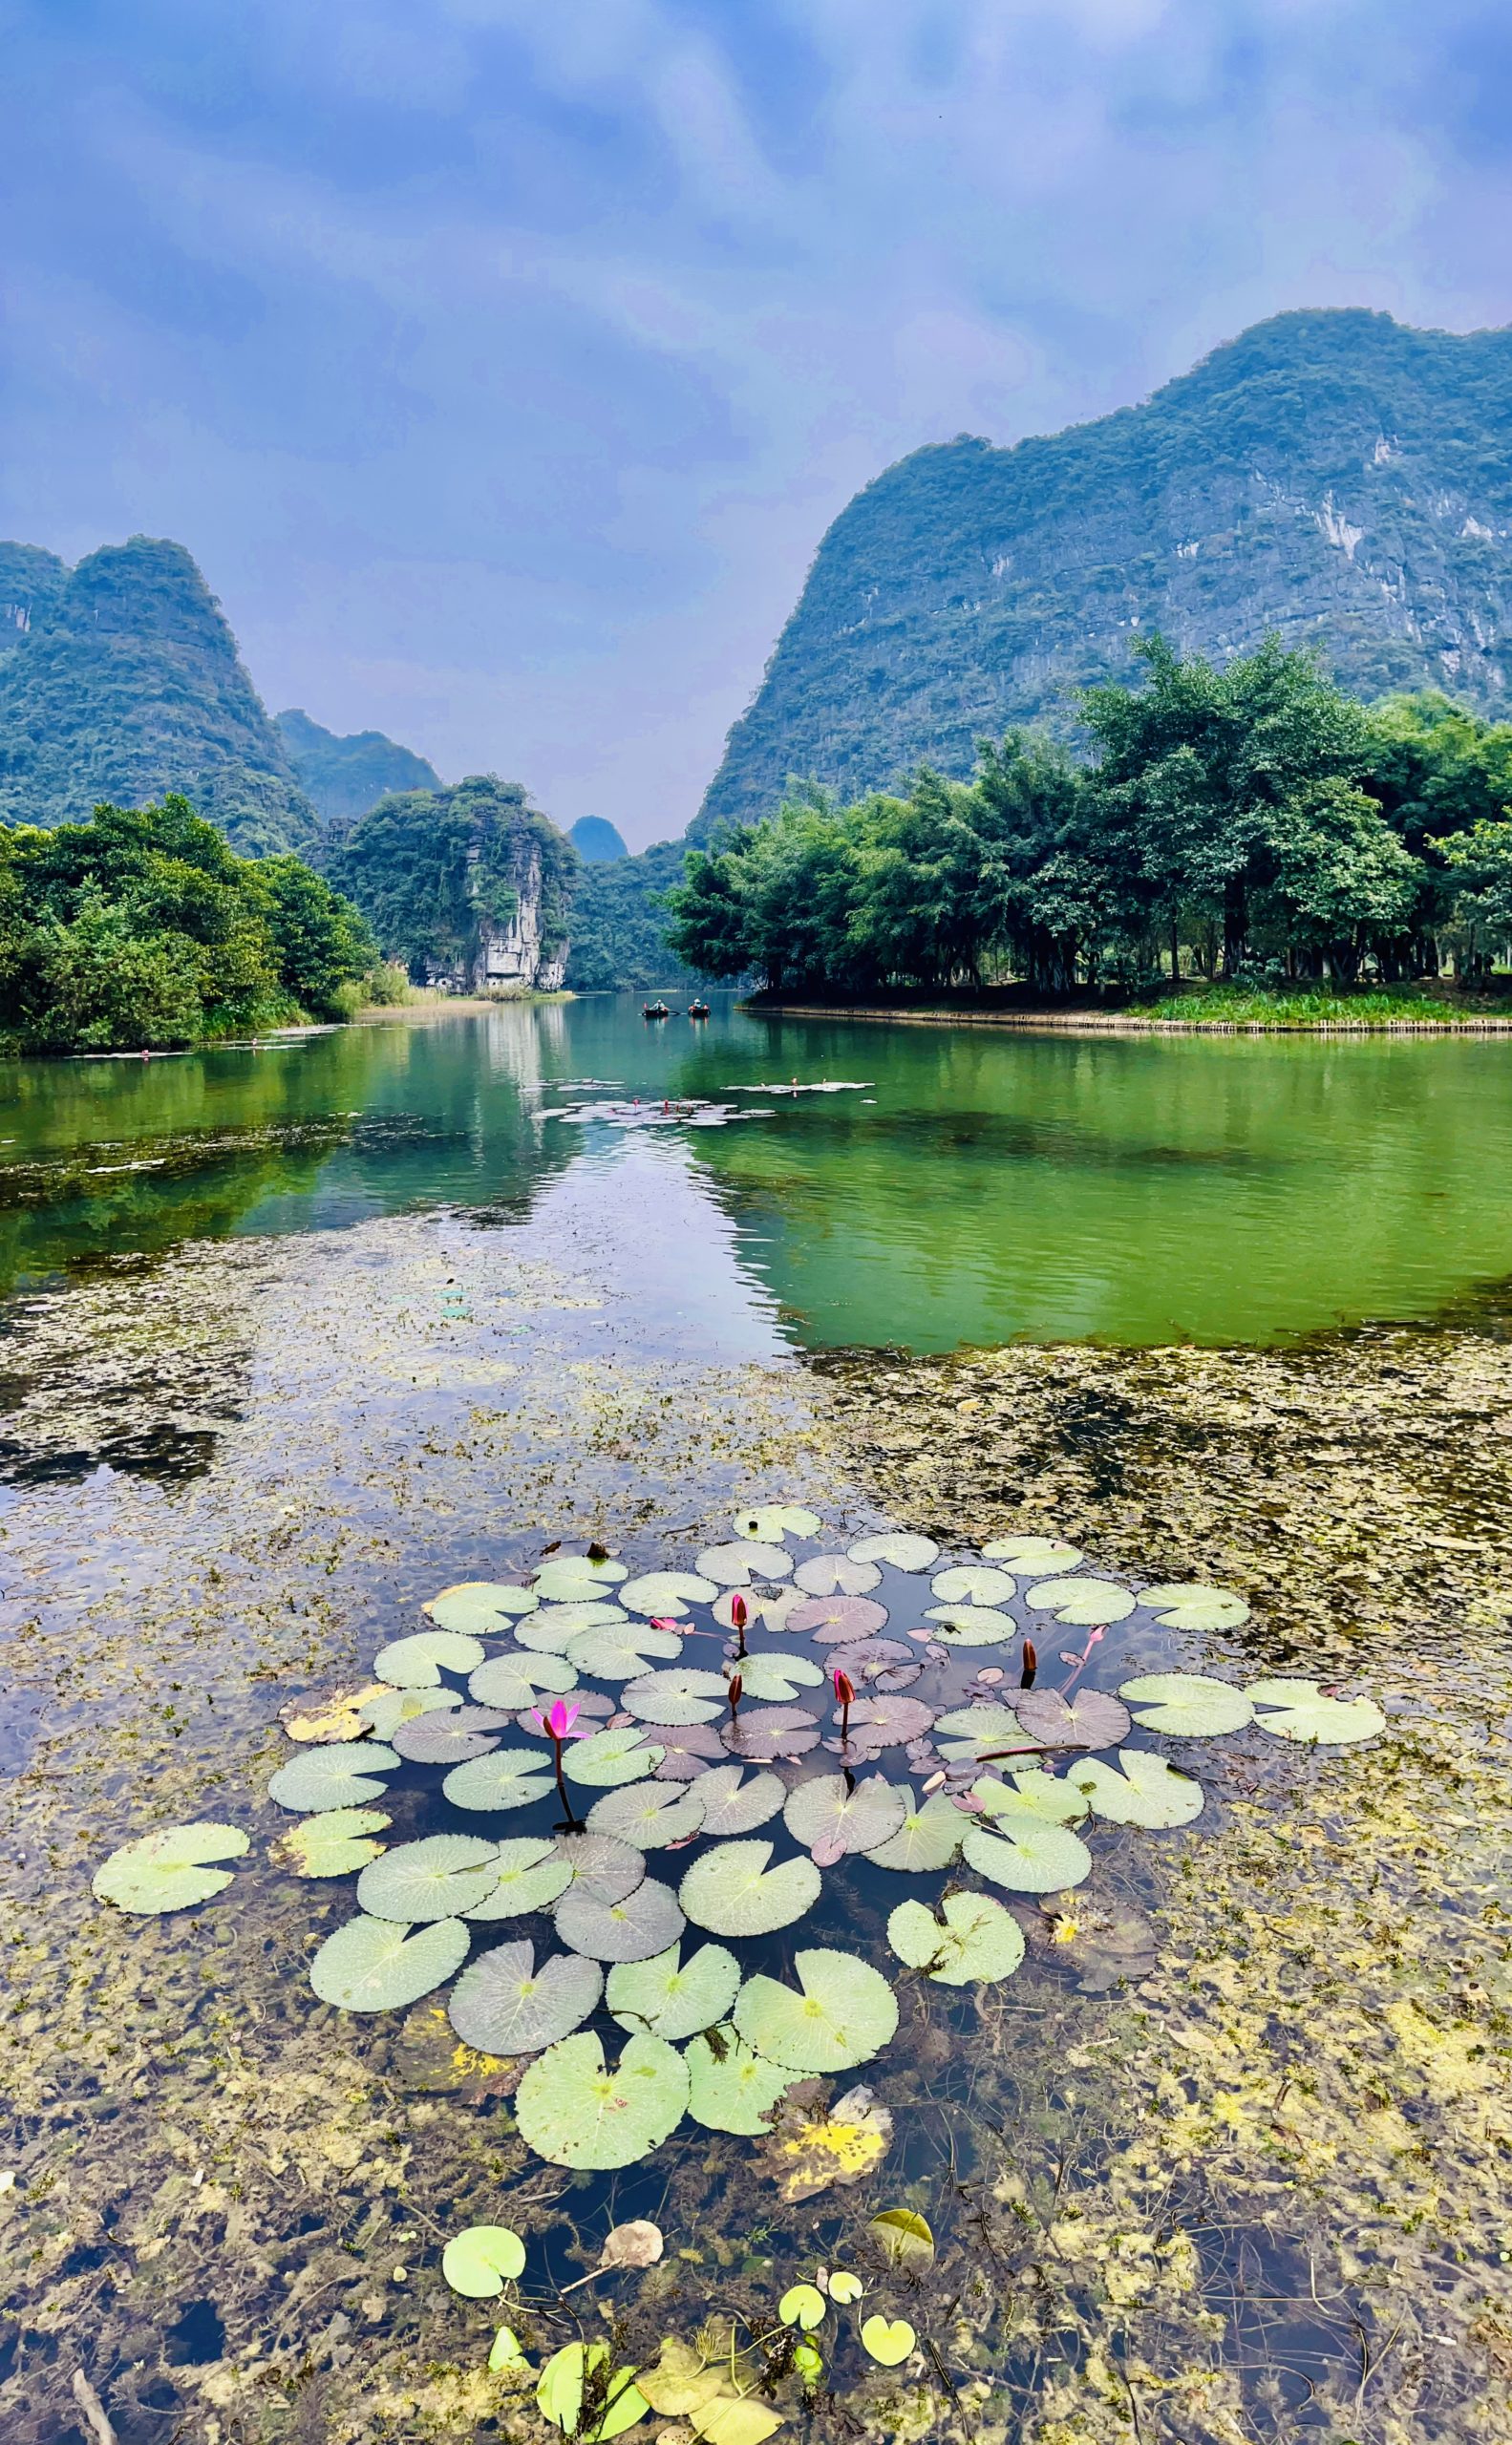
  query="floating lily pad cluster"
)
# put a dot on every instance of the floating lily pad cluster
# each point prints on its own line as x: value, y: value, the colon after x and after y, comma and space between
x: 641, y: 1774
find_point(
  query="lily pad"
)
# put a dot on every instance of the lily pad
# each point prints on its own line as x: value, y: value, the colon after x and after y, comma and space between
x: 572, y: 1577
x: 1196, y: 1609
x: 836, y: 1575
x: 649, y: 1815
x: 974, y: 1583
x: 1032, y: 1555
x: 1298, y: 1711
x: 504, y: 2005
x: 580, y: 2392
x: 341, y: 1774
x: 479, y: 2262
x: 803, y: 2306
x: 338, y: 1715
x: 771, y: 1521
x: 1086, y: 1602
x: 844, y: 2287
x: 1148, y: 1792
x: 771, y: 1608
x: 834, y: 1814
x: 437, y: 1877
x: 737, y: 1566
x: 884, y: 1722
x: 735, y: 1802
x: 603, y: 1865
x: 684, y: 1694
x: 764, y: 1733
x: 644, y: 1925
x: 733, y: 1891
x: 972, y: 1731
x: 831, y: 1620
x: 624, y: 1653
x: 881, y: 1664
x: 768, y: 1674
x: 844, y: 2013
x: 531, y: 1875
x: 971, y: 1625
x: 378, y: 1966
x: 897, y: 1549
x: 672, y: 1998
x: 480, y: 1607
x: 574, y: 2110
x: 552, y: 1631
x: 1106, y: 1943
x: 1186, y: 1704
x: 1051, y: 1797
x: 334, y: 1843
x: 445, y: 1737
x: 929, y: 1837
x: 973, y: 1941
x: 1026, y: 1854
x: 673, y: 1592
x: 687, y: 1749
x: 517, y: 1680
x: 888, y: 2340
x: 419, y: 1661
x: 508, y: 1779
x: 386, y: 1710
x: 735, y: 2419
x: 611, y: 1756
x: 1087, y: 1719
x: 731, y: 2086
x: 172, y: 1868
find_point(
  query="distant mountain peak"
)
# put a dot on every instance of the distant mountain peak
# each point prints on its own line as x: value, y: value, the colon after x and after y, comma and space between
x: 1329, y: 472
x: 344, y: 777
x: 596, y: 840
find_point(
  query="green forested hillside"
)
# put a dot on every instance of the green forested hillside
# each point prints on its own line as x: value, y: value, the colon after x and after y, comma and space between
x: 619, y: 924
x: 119, y: 681
x: 344, y: 777
x: 1332, y: 476
x: 472, y: 883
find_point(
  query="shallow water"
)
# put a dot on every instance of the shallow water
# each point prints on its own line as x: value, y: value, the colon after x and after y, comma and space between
x: 982, y: 1187
x: 362, y: 1325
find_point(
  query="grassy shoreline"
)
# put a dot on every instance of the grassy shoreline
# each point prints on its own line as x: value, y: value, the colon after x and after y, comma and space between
x: 1211, y: 1009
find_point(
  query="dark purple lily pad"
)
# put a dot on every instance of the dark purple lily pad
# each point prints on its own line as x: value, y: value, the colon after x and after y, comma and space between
x: 876, y: 1664
x: 764, y: 1733
x: 687, y: 1749
x: 1087, y: 1719
x: 444, y: 1737
x: 832, y: 1621
x: 886, y: 1722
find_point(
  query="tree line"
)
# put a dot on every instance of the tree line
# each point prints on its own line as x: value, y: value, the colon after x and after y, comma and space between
x: 1252, y: 823
x: 143, y: 928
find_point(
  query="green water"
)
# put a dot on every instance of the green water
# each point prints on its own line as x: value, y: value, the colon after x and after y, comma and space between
x: 983, y: 1187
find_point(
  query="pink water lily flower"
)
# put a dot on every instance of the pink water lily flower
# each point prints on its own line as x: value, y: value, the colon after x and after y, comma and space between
x: 559, y: 1720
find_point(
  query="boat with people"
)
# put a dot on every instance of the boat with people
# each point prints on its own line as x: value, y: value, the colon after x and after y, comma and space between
x: 698, y: 1010
x: 656, y: 1010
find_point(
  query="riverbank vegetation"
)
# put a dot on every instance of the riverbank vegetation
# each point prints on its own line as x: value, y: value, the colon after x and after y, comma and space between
x: 1253, y: 825
x: 143, y: 927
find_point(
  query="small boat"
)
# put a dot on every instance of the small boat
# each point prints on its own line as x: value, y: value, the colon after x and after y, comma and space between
x: 654, y: 1010
x: 698, y: 1010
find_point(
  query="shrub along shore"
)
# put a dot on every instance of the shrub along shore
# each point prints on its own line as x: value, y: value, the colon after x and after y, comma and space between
x: 1216, y: 1009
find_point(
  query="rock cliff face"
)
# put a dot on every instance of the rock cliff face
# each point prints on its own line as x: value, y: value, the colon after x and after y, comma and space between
x: 120, y: 679
x: 470, y: 887
x: 1333, y: 476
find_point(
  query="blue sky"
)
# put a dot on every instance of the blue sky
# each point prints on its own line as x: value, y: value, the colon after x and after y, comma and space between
x: 502, y: 361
